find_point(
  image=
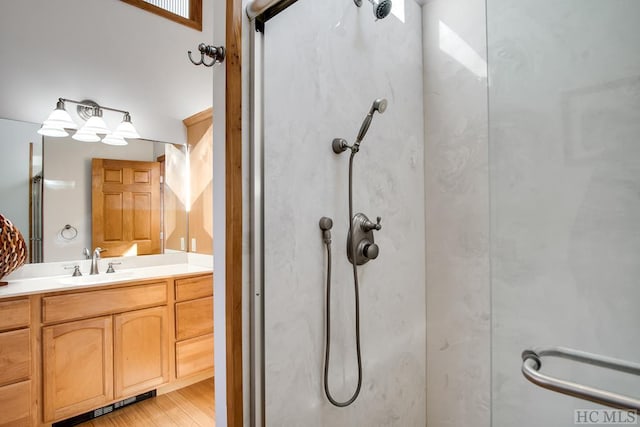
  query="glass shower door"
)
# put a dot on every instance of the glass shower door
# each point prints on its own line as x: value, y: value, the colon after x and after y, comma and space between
x: 564, y: 122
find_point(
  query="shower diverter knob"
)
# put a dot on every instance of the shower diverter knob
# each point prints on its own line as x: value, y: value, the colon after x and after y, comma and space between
x: 371, y: 250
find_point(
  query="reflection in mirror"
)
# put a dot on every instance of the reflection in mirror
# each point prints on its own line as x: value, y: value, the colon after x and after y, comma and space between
x: 66, y: 190
x: 20, y: 161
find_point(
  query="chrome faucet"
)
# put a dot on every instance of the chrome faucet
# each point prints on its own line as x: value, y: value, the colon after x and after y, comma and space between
x: 94, y: 260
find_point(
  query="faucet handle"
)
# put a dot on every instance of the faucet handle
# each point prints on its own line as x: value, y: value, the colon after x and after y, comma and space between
x: 76, y: 270
x: 370, y: 225
x: 111, y: 264
x: 378, y: 226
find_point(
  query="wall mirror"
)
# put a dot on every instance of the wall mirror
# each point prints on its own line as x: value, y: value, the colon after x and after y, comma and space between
x: 46, y: 189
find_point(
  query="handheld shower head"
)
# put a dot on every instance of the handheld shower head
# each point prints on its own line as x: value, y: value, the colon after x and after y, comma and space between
x: 381, y: 8
x: 379, y: 105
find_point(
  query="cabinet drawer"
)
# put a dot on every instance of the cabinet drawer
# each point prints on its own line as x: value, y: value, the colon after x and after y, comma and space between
x: 15, y: 356
x: 15, y: 405
x: 14, y: 314
x: 194, y: 287
x: 194, y: 355
x: 96, y: 303
x: 194, y: 318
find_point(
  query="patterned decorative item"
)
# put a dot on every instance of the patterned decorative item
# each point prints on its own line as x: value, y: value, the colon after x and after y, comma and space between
x: 13, y: 249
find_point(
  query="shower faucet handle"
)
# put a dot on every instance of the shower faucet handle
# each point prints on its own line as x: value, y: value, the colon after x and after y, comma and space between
x: 370, y: 225
x: 370, y: 251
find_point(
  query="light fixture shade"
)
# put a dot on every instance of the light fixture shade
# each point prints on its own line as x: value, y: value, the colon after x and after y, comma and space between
x: 85, y: 135
x: 60, y: 118
x: 114, y: 139
x: 51, y: 130
x: 126, y: 130
x: 95, y: 124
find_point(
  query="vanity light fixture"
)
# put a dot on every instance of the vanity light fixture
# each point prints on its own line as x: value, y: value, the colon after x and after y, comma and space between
x: 95, y: 129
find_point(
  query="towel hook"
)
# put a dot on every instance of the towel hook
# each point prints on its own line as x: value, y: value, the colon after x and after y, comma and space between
x: 217, y: 53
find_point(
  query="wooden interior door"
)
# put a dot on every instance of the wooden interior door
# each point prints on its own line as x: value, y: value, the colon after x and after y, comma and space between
x: 126, y: 207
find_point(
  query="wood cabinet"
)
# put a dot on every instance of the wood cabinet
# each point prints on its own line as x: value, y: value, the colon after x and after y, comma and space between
x: 194, y: 325
x: 69, y: 352
x: 92, y: 362
x: 141, y: 350
x: 15, y: 363
x: 77, y: 366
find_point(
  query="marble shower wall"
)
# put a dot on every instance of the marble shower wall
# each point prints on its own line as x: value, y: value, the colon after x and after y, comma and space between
x: 325, y: 62
x: 457, y: 214
x: 565, y: 183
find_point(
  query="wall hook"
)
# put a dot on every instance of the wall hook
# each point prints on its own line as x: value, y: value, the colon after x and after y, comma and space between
x: 217, y: 53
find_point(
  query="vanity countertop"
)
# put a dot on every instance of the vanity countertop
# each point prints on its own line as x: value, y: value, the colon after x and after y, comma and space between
x: 28, y: 286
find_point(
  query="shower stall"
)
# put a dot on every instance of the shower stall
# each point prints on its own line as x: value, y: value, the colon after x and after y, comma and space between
x: 506, y: 170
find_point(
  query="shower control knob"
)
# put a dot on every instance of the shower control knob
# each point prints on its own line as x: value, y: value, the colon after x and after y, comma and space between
x: 370, y: 225
x: 371, y: 251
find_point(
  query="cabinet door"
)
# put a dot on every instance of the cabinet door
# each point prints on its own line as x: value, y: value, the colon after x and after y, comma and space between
x: 141, y: 350
x: 77, y: 367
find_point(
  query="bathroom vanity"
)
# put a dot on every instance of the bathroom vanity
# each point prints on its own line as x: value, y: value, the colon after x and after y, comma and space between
x: 69, y: 345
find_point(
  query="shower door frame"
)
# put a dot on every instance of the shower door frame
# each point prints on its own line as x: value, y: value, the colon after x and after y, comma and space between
x: 258, y: 12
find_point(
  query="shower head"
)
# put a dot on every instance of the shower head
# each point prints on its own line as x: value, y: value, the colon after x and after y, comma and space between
x: 381, y: 8
x: 379, y: 105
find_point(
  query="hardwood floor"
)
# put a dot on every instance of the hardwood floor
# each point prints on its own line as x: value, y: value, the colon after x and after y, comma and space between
x: 191, y: 406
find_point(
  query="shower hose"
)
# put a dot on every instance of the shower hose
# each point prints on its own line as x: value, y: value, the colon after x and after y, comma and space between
x: 327, y: 352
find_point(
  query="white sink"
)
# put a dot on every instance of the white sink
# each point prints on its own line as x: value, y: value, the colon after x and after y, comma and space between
x: 97, y: 278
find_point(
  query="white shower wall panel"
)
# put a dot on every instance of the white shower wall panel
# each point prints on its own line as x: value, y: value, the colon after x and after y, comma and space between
x: 325, y: 62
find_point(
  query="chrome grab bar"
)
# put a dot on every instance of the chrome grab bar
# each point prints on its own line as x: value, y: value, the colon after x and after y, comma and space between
x: 532, y: 362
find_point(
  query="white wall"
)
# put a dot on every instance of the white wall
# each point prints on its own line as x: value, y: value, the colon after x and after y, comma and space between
x: 67, y: 190
x: 14, y: 171
x: 457, y: 218
x: 325, y: 62
x: 108, y: 51
x: 565, y: 182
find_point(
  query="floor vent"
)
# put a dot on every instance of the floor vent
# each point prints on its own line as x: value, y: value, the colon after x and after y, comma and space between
x: 87, y: 416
